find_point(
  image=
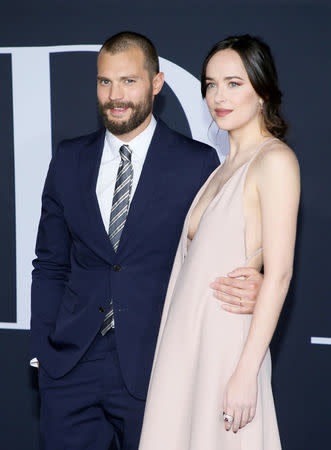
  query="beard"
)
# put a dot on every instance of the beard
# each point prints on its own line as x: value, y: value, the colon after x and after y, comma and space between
x: 140, y: 112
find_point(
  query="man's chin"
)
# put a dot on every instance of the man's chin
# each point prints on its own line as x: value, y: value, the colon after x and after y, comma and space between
x: 119, y: 122
x: 118, y: 127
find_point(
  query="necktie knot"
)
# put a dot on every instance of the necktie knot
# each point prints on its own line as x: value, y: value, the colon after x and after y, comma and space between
x: 125, y: 153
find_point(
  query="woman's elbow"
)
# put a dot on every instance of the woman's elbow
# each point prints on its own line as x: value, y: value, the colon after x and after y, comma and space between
x: 282, y: 277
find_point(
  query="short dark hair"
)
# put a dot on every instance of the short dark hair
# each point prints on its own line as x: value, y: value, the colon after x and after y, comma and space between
x: 125, y: 40
x: 260, y: 67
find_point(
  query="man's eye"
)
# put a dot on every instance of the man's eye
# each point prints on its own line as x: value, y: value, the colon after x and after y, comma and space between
x: 129, y: 81
x: 104, y: 82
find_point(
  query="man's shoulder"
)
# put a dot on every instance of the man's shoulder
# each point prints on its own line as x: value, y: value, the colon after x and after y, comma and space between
x: 79, y: 141
x: 185, y: 141
x: 69, y: 150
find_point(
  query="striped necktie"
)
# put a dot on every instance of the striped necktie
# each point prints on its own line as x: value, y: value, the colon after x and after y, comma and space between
x: 121, y: 197
x: 119, y: 212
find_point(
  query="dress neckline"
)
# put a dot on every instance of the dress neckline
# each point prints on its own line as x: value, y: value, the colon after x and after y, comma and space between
x: 209, y: 179
x: 238, y: 168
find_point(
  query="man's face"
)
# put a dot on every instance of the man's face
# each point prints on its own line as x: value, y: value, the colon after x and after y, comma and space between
x: 126, y: 92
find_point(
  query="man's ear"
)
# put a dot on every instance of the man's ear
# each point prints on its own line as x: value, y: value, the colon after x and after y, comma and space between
x: 157, y: 82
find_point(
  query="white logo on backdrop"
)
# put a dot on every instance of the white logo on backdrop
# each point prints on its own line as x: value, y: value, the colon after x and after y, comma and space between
x: 33, y: 145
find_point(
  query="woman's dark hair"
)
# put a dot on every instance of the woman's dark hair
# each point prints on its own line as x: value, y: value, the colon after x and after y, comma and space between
x: 260, y: 67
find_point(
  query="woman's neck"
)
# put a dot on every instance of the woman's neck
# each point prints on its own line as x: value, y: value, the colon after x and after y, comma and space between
x: 244, y: 141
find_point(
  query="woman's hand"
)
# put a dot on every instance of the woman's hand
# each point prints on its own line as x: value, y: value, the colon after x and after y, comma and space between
x: 239, y: 400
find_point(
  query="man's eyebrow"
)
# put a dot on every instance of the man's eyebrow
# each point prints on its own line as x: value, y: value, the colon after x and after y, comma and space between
x: 129, y: 76
x: 100, y: 77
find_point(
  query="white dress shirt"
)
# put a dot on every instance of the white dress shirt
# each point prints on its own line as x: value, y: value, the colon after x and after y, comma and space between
x: 110, y: 162
x: 109, y: 165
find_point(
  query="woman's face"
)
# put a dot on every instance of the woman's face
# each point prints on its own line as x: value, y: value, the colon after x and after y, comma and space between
x: 231, y: 99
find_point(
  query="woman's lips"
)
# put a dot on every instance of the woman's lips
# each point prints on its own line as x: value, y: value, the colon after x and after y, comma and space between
x: 221, y: 112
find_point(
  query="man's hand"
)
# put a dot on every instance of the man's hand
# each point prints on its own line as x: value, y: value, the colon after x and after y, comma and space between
x: 239, y: 290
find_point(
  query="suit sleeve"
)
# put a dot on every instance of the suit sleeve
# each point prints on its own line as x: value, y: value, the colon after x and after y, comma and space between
x: 52, y: 265
x: 211, y: 162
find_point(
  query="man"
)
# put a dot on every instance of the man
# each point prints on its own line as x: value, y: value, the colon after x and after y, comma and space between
x: 112, y: 212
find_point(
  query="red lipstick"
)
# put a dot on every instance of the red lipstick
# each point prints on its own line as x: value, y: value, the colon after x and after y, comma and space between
x: 222, y: 112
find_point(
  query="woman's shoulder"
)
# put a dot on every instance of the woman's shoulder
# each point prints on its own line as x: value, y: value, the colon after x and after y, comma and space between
x: 275, y: 164
x: 275, y: 155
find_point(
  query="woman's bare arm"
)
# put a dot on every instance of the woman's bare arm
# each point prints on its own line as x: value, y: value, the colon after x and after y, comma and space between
x: 278, y: 184
x: 278, y: 187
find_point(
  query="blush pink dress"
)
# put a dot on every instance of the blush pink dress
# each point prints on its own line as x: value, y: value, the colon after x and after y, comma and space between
x: 199, y: 343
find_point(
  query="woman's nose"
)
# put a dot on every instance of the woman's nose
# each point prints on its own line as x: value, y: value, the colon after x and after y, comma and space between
x: 219, y: 95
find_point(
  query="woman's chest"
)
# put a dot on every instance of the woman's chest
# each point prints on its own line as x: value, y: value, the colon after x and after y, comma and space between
x: 209, y: 193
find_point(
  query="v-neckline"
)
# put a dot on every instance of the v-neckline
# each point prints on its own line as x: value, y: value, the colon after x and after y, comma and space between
x: 218, y: 193
x: 200, y: 193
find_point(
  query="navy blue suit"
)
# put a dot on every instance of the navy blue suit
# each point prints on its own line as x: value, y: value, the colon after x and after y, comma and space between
x: 77, y: 272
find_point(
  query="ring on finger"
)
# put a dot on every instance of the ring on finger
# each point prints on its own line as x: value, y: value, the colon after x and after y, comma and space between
x: 227, y: 417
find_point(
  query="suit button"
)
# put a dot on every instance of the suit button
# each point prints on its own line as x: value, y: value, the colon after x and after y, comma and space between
x: 101, y: 309
x: 117, y: 267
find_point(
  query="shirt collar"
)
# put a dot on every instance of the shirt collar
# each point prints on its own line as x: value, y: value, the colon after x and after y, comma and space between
x: 139, y: 145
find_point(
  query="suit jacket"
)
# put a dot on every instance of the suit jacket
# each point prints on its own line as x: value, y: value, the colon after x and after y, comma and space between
x: 77, y: 272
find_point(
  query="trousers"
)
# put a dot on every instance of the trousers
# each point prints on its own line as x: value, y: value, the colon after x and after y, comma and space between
x: 90, y: 408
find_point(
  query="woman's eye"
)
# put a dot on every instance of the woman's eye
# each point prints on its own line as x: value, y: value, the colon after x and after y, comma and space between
x: 210, y: 85
x: 233, y: 84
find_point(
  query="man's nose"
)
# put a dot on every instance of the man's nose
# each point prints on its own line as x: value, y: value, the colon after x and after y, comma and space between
x: 115, y: 92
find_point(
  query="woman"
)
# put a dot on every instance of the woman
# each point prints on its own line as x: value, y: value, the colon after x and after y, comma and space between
x: 210, y: 387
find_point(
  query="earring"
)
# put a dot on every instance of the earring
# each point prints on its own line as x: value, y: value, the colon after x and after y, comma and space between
x: 261, y: 105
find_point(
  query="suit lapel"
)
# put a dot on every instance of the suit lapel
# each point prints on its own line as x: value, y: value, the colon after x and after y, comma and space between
x: 156, y: 159
x: 90, y: 159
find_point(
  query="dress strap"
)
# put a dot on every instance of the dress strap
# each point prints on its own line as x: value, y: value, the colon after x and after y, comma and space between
x: 259, y: 250
x: 260, y: 148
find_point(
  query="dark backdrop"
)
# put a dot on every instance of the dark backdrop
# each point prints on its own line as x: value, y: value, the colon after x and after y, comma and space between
x: 183, y: 31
